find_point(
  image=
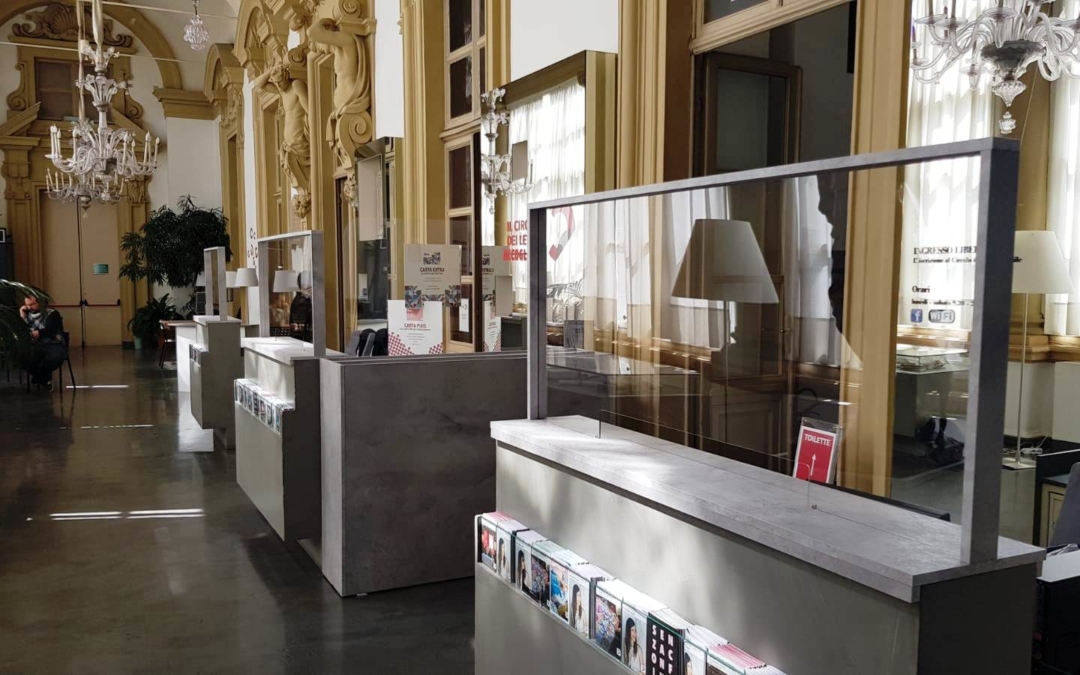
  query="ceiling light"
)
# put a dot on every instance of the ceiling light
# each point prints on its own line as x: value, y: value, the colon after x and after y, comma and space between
x: 195, y: 33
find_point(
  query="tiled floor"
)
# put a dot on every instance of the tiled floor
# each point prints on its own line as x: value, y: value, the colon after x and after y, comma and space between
x: 206, y: 587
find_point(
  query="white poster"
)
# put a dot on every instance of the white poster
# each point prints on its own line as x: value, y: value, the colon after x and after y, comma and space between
x: 432, y: 273
x: 498, y: 284
x: 492, y: 330
x: 413, y: 331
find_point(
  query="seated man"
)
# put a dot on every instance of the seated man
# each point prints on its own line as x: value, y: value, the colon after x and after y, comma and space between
x: 49, y: 350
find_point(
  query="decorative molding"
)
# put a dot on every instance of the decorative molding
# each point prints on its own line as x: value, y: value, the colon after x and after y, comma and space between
x: 184, y: 104
x: 58, y: 22
x: 133, y: 20
x: 17, y: 123
x: 757, y: 19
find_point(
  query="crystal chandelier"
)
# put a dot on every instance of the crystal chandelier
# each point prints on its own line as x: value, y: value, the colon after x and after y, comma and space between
x: 1001, y: 42
x: 195, y: 33
x: 496, y: 170
x: 101, y: 158
x: 83, y: 189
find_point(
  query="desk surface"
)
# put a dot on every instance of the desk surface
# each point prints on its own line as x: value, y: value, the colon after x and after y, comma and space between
x: 880, y: 546
x: 282, y: 349
x: 608, y: 365
x: 1061, y: 567
x: 1062, y: 479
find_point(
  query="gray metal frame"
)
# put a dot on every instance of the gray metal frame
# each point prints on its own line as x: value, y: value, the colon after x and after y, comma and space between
x: 999, y: 167
x: 318, y: 292
x: 217, y: 284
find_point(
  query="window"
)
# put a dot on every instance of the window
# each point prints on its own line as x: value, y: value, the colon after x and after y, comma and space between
x: 465, y: 53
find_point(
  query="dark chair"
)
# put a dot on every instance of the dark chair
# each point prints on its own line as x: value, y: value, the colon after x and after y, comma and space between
x: 167, y: 331
x: 353, y: 348
x: 65, y: 337
x: 1067, y: 529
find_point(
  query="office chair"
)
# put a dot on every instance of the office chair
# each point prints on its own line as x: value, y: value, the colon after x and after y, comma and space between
x: 65, y: 337
x: 1067, y: 529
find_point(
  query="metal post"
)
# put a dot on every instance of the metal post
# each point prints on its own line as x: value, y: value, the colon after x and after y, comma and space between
x: 989, y: 352
x: 1020, y: 391
x: 537, y: 322
x: 265, y: 283
x: 318, y: 295
x: 208, y: 282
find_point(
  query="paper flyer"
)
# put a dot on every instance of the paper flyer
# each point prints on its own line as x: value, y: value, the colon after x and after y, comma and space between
x: 432, y: 274
x: 413, y: 331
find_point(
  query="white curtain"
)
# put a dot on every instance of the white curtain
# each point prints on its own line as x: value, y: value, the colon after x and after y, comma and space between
x: 940, y: 199
x: 1063, y: 193
x: 554, y: 126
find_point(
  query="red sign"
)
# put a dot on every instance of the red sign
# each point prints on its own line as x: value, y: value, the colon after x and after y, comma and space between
x: 815, y: 455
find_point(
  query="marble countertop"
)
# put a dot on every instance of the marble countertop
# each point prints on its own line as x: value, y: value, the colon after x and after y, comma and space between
x: 883, y: 547
x: 282, y: 349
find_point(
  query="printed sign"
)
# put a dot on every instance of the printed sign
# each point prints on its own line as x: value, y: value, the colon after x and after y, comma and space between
x: 916, y: 316
x: 815, y: 453
x: 942, y: 316
x: 432, y: 273
x: 412, y: 331
x: 493, y: 264
x: 492, y: 330
x: 101, y: 268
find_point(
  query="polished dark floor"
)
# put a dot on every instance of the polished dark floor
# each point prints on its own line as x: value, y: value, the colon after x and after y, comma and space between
x: 216, y: 591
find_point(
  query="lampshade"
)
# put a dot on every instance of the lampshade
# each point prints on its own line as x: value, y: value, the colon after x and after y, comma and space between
x: 230, y: 279
x: 244, y: 277
x: 305, y: 279
x: 723, y: 261
x: 200, y: 281
x: 286, y: 281
x: 1039, y: 265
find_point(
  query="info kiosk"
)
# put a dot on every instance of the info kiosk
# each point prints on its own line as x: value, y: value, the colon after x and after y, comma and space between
x: 787, y: 575
x: 276, y: 396
x: 214, y: 357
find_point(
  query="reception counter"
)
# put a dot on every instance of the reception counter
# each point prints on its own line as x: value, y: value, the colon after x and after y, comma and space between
x: 807, y: 578
x: 214, y: 362
x: 279, y: 470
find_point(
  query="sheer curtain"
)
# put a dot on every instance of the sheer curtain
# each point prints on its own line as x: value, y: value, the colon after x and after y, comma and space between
x: 1063, y: 193
x: 940, y: 199
x: 554, y: 126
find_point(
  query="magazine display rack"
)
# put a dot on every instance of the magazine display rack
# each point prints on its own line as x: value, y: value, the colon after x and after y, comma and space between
x: 407, y: 462
x: 810, y: 579
x: 217, y: 362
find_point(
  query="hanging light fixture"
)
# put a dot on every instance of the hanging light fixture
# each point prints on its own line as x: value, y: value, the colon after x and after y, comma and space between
x: 1002, y: 42
x: 496, y: 171
x: 102, y: 158
x: 84, y: 189
x: 195, y: 33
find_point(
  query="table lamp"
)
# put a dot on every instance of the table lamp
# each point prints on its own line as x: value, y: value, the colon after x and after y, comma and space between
x: 1039, y: 267
x: 286, y: 281
x: 244, y: 277
x: 723, y: 261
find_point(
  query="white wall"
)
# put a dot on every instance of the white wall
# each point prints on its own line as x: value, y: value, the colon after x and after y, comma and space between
x: 250, y: 198
x: 389, y: 71
x: 543, y: 33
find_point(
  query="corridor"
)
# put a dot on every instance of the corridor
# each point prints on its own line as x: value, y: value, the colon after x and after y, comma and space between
x: 126, y: 548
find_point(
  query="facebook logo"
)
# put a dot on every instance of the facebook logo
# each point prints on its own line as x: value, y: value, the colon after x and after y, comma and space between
x: 916, y: 316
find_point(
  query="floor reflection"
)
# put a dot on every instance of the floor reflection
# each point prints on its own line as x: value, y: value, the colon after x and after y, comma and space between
x: 126, y: 547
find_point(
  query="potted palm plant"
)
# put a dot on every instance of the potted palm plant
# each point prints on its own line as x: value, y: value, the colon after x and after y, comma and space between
x: 145, y: 324
x: 168, y: 248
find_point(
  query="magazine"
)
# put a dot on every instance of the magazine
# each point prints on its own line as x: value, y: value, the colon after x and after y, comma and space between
x: 730, y: 660
x: 561, y: 562
x: 487, y: 523
x: 522, y: 557
x: 541, y: 567
x: 608, y: 618
x: 505, y: 533
x: 581, y: 579
x: 635, y: 615
x: 666, y: 643
x: 698, y: 641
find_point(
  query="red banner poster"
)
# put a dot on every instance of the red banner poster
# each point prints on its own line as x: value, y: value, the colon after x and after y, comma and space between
x: 815, y: 454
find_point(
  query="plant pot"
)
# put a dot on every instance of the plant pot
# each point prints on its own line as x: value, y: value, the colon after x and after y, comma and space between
x: 138, y: 342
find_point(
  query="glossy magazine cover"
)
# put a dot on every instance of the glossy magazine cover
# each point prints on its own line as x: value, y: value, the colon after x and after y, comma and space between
x: 581, y: 579
x: 522, y: 555
x: 559, y: 571
x: 607, y: 619
x: 730, y: 660
x: 666, y: 639
x: 635, y: 615
x: 541, y: 560
x: 698, y: 641
x: 505, y: 547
